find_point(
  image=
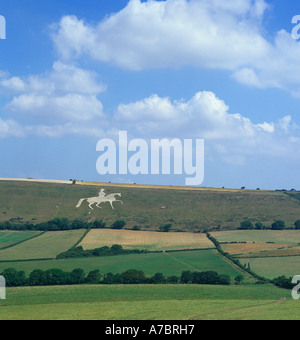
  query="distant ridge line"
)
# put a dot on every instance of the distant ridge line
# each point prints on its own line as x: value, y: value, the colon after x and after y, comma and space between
x: 152, y: 186
x: 126, y: 185
x: 36, y: 180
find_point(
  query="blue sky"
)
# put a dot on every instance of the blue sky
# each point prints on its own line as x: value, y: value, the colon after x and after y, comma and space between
x: 226, y: 71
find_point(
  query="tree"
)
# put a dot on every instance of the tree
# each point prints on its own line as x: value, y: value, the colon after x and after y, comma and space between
x: 173, y: 279
x: 109, y: 279
x: 37, y: 278
x: 14, y: 278
x: 99, y: 224
x: 133, y: 276
x: 278, y: 225
x: 297, y: 225
x: 78, y: 224
x: 283, y: 282
x: 158, y: 278
x: 186, y: 277
x: 93, y: 277
x: 224, y: 280
x: 76, y: 277
x: 246, y: 225
x: 209, y: 278
x: 56, y: 277
x: 238, y: 280
x: 120, y: 224
x: 116, y: 249
x: 165, y: 228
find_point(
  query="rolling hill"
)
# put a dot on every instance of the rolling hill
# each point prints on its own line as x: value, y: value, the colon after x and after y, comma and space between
x: 149, y: 207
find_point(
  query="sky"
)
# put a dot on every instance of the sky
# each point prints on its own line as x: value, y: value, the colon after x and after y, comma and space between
x: 74, y: 72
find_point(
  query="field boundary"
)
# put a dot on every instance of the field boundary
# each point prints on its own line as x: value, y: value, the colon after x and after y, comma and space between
x: 27, y: 260
x: 81, y: 238
x: 234, y: 261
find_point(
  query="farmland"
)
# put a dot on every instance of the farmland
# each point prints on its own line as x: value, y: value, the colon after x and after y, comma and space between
x: 152, y: 241
x: 154, y: 302
x: 47, y: 245
x: 185, y: 248
x: 270, y: 253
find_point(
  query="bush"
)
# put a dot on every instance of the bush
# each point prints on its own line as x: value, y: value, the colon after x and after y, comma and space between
x: 165, y: 228
x: 246, y: 225
x: 297, y: 225
x: 283, y: 282
x: 120, y: 224
x: 278, y: 225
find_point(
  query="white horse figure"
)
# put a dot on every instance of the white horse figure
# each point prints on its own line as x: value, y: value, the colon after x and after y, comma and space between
x: 102, y: 198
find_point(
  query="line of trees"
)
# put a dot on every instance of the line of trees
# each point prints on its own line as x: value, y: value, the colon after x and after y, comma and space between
x: 283, y: 282
x: 56, y: 277
x: 277, y: 225
x: 233, y: 259
x: 58, y: 224
x: 114, y: 250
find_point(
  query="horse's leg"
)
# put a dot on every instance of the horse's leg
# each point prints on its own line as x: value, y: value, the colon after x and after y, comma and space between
x: 111, y: 203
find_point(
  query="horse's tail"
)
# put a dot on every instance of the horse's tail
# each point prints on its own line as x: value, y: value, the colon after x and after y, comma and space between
x: 80, y: 202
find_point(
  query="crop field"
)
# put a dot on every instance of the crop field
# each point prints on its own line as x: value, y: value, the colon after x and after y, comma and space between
x: 9, y: 238
x: 270, y: 260
x: 149, y: 302
x: 291, y: 237
x: 48, y: 245
x: 244, y: 249
x: 151, y: 241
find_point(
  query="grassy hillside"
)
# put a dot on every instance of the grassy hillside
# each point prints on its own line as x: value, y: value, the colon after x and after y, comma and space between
x: 149, y: 207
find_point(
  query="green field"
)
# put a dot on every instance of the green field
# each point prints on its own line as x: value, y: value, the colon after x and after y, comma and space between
x: 154, y: 302
x: 9, y: 238
x: 275, y: 266
x: 167, y: 263
x: 48, y: 245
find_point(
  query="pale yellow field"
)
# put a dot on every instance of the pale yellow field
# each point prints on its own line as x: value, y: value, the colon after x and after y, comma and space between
x: 252, y: 248
x: 147, y: 240
x: 291, y: 251
x: 148, y: 186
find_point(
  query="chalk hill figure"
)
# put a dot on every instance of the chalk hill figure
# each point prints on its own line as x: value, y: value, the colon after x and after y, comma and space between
x: 102, y: 198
